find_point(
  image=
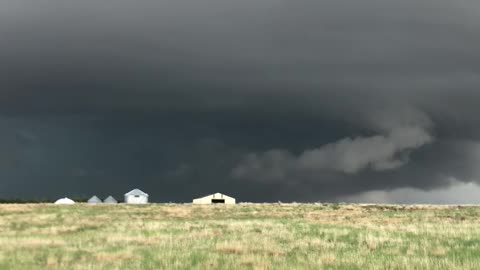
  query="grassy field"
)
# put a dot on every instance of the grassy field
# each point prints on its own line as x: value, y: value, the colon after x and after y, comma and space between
x: 246, y: 236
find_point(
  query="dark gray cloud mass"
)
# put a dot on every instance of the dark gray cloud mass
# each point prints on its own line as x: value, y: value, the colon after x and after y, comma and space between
x: 265, y: 100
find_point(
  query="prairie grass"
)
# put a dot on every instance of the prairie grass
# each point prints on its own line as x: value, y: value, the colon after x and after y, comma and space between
x: 245, y: 236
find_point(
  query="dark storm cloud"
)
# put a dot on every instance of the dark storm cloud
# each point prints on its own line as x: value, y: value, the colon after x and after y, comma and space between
x: 176, y: 95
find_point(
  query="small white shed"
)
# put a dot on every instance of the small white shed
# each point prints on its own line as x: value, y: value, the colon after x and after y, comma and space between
x: 64, y: 201
x: 217, y: 198
x: 110, y: 200
x: 136, y: 196
x: 94, y: 200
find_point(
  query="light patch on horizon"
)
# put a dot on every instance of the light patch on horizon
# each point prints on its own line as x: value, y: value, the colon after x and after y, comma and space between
x: 457, y: 193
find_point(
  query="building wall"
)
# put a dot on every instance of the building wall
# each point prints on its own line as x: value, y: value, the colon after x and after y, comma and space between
x: 110, y: 202
x: 204, y: 200
x: 94, y: 201
x: 136, y: 200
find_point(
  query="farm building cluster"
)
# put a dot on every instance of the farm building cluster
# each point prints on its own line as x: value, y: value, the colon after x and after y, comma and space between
x: 136, y: 196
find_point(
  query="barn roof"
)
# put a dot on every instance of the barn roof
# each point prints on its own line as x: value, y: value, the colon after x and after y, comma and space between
x: 136, y: 192
x: 64, y: 201
x: 216, y: 196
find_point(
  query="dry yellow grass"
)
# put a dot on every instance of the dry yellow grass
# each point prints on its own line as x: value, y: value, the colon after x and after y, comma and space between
x: 247, y: 236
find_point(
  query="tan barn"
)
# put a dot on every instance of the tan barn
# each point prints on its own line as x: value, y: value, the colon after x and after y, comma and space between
x: 217, y: 198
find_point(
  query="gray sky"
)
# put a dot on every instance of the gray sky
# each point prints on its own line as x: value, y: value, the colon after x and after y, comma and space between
x: 264, y: 100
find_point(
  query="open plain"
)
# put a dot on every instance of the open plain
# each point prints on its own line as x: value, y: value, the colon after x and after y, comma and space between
x: 244, y: 236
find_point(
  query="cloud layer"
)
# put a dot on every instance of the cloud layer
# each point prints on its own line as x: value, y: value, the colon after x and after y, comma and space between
x: 184, y: 97
x: 349, y: 155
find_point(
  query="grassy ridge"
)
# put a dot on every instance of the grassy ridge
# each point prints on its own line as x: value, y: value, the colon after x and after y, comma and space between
x: 249, y: 236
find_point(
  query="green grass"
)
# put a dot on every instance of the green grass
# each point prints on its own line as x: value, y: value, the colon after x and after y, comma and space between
x: 246, y: 236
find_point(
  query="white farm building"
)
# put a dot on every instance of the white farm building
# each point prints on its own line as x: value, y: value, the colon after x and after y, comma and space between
x: 64, y: 201
x: 94, y: 200
x: 136, y: 196
x: 214, y: 199
x: 110, y: 200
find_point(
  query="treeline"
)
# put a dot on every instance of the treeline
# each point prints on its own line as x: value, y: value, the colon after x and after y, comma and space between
x: 39, y: 200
